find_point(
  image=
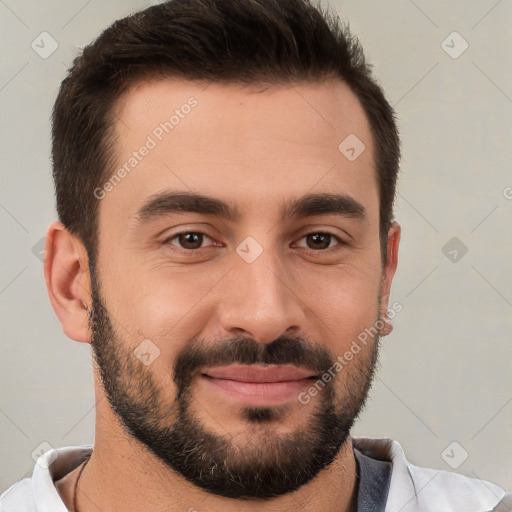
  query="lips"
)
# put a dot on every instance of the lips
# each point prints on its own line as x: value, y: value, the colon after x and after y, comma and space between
x: 256, y: 384
x: 258, y: 373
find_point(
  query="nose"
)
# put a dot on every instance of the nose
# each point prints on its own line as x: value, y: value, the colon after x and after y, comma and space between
x: 259, y: 300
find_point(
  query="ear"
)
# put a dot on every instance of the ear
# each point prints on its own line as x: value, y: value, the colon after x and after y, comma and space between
x: 388, y: 274
x: 66, y: 272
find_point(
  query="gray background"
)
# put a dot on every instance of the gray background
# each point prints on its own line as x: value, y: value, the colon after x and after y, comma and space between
x: 446, y: 368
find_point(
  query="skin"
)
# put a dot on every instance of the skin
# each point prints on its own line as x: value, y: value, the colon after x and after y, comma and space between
x: 257, y: 150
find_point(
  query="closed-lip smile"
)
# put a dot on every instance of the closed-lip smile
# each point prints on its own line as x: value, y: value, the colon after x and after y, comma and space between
x: 256, y: 384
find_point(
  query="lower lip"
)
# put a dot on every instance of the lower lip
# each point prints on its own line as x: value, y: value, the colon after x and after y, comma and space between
x: 261, y: 393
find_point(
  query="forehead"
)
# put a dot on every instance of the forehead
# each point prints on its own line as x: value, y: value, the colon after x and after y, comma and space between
x: 245, y: 145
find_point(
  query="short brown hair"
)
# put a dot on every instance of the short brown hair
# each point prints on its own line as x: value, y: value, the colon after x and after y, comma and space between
x: 229, y: 41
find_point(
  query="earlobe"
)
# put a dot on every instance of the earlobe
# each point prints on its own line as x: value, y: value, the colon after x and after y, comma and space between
x: 388, y: 274
x: 66, y: 272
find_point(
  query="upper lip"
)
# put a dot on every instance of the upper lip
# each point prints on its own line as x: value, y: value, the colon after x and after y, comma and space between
x: 258, y: 373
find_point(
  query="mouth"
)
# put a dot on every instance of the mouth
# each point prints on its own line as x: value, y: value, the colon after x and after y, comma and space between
x: 258, y: 385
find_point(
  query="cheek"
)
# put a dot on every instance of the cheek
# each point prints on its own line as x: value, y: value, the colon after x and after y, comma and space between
x: 165, y: 305
x: 343, y: 300
x: 171, y: 304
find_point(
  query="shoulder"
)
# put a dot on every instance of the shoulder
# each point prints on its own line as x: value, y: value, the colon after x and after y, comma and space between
x: 38, y: 492
x: 18, y: 497
x: 414, y: 488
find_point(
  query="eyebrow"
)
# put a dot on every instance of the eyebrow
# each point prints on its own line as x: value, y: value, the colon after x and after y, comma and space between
x: 306, y: 206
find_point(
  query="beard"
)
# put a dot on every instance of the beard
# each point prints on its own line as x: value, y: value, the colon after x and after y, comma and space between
x: 265, y: 463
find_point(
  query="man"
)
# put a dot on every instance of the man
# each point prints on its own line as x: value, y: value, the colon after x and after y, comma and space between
x: 225, y: 175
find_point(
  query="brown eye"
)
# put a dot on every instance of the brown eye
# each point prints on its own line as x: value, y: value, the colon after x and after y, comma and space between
x: 320, y: 240
x: 189, y: 240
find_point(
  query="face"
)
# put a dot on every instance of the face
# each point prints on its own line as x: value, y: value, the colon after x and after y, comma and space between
x: 238, y: 260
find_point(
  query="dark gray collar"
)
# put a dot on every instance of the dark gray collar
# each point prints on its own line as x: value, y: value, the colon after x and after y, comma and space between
x: 373, y: 479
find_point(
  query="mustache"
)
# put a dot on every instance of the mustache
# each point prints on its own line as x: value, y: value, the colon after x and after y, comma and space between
x: 281, y: 351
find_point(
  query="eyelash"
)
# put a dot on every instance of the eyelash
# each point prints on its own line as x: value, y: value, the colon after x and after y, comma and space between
x: 192, y: 252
